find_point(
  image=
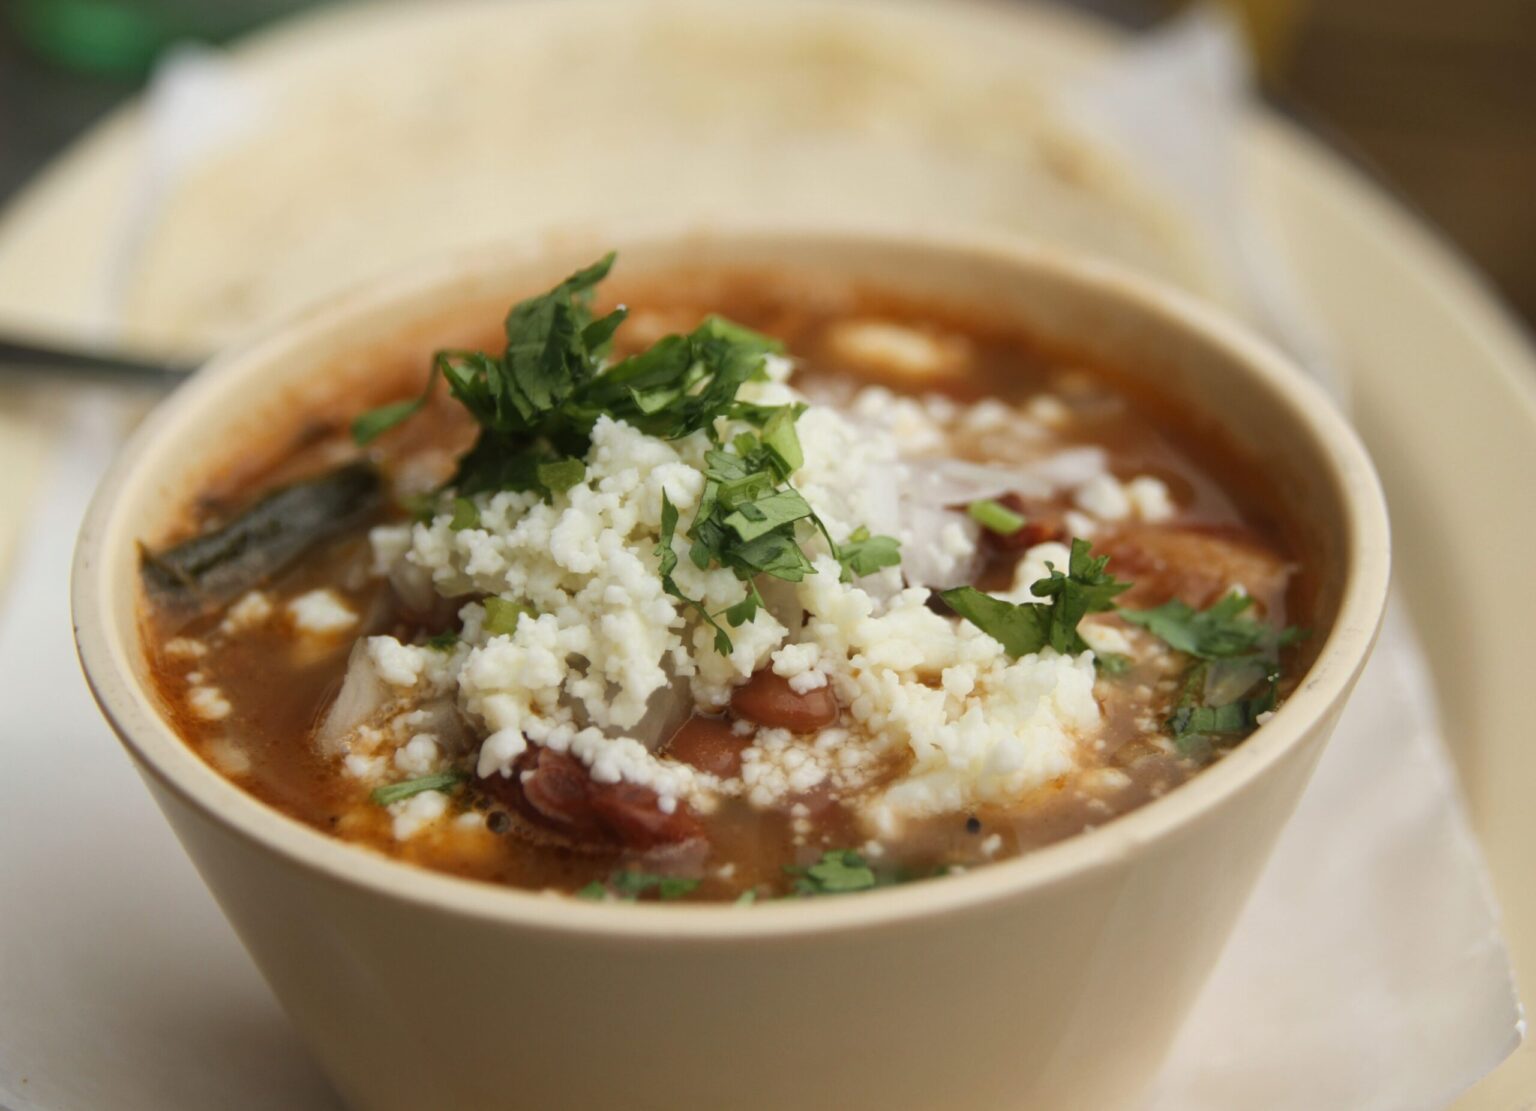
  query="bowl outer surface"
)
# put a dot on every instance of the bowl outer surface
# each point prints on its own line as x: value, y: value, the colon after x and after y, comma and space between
x: 1000, y: 988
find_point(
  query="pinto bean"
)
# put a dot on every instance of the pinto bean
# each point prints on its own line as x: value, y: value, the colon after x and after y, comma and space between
x: 769, y: 700
x: 557, y: 788
x: 708, y: 744
x: 633, y: 816
x: 555, y: 792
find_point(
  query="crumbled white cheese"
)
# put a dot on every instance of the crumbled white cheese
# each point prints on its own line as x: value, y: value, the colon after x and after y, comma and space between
x: 185, y: 648
x: 227, y: 755
x: 797, y: 663
x: 399, y: 665
x: 320, y: 613
x: 252, y: 609
x: 1109, y: 499
x: 913, y: 425
x: 606, y: 662
x: 1150, y: 498
x: 1104, y: 638
x: 898, y: 349
x: 1048, y: 410
x: 1265, y: 717
x: 368, y: 768
x: 992, y: 844
x: 419, y: 756
x: 417, y: 813
x: 208, y: 703
x: 991, y: 728
x: 1104, y: 497
x: 1105, y: 781
x: 1079, y: 524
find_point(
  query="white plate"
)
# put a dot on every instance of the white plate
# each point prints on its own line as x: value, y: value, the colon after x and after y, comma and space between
x: 1444, y: 389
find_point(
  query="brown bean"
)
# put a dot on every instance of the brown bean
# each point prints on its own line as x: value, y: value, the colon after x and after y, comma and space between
x: 632, y: 815
x: 708, y: 744
x: 767, y: 699
x: 553, y: 790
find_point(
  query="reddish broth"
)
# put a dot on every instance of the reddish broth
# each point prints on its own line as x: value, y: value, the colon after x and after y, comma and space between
x: 554, y: 828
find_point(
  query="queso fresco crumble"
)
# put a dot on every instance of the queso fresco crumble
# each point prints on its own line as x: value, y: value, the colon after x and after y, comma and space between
x: 649, y: 605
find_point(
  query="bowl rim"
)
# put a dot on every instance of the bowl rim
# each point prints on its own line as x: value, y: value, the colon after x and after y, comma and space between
x: 162, y: 755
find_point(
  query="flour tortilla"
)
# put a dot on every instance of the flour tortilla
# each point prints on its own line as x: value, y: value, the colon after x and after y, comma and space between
x: 396, y: 132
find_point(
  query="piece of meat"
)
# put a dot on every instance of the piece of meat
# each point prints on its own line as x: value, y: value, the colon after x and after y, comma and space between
x: 554, y: 791
x: 1197, y: 564
x: 769, y: 700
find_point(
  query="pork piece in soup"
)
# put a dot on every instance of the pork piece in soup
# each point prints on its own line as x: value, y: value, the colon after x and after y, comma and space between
x: 815, y: 595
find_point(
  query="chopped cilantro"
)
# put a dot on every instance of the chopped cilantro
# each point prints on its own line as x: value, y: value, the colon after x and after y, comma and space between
x: 443, y: 642
x: 837, y: 872
x: 862, y: 554
x: 1224, y: 630
x: 537, y: 402
x: 747, y: 897
x: 996, y: 517
x: 420, y: 507
x: 755, y: 518
x: 374, y: 423
x: 397, y: 792
x: 1027, y: 627
x: 466, y: 515
x: 561, y: 475
x: 630, y: 886
x: 1236, y: 674
x: 668, y: 557
x: 501, y: 616
x: 1112, y: 663
x: 1205, y: 711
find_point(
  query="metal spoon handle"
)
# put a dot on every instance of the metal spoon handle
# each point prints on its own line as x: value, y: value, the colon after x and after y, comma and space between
x: 17, y: 353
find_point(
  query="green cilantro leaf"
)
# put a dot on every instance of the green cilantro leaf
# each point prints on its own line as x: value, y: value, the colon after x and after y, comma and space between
x: 667, y: 557
x: 398, y: 792
x: 369, y: 426
x: 862, y: 554
x: 537, y: 402
x: 502, y: 616
x: 443, y: 642
x: 1204, y: 710
x: 1023, y: 628
x: 466, y: 515
x: 1224, y: 630
x: 561, y: 475
x: 755, y: 518
x: 837, y: 872
x: 1112, y: 663
x: 629, y: 886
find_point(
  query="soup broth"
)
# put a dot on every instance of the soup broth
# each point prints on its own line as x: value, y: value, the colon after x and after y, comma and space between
x: 1032, y: 595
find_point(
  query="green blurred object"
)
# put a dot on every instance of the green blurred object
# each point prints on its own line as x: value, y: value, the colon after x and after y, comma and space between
x: 98, y: 36
x: 122, y: 38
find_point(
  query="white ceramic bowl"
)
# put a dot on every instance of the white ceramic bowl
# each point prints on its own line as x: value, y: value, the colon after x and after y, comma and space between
x: 1054, y: 980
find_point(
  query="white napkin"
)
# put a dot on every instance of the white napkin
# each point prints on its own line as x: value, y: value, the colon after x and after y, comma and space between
x: 1367, y: 972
